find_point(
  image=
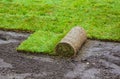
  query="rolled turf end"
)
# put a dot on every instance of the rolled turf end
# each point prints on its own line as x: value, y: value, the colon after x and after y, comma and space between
x: 71, y: 43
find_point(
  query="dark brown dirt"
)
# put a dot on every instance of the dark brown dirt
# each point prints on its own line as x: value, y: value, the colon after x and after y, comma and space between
x: 96, y: 60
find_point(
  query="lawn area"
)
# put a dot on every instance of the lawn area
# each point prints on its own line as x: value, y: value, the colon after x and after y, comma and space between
x: 50, y: 20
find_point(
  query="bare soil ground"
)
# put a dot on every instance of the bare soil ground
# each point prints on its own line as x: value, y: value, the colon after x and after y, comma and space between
x: 96, y: 60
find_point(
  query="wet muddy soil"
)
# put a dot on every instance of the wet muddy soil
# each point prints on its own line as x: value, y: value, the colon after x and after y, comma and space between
x: 96, y: 60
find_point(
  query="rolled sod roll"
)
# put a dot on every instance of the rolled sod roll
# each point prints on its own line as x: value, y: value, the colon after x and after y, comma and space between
x: 71, y: 43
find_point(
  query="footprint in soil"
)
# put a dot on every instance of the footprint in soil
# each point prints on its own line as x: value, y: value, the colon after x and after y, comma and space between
x: 13, y: 35
x: 4, y: 37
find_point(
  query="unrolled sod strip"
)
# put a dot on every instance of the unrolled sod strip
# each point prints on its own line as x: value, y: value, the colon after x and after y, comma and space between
x: 72, y: 42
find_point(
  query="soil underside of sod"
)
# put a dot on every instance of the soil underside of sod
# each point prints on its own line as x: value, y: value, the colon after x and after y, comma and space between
x: 96, y: 60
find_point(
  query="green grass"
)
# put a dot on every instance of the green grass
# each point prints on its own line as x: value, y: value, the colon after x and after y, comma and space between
x: 50, y: 20
x: 41, y: 43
